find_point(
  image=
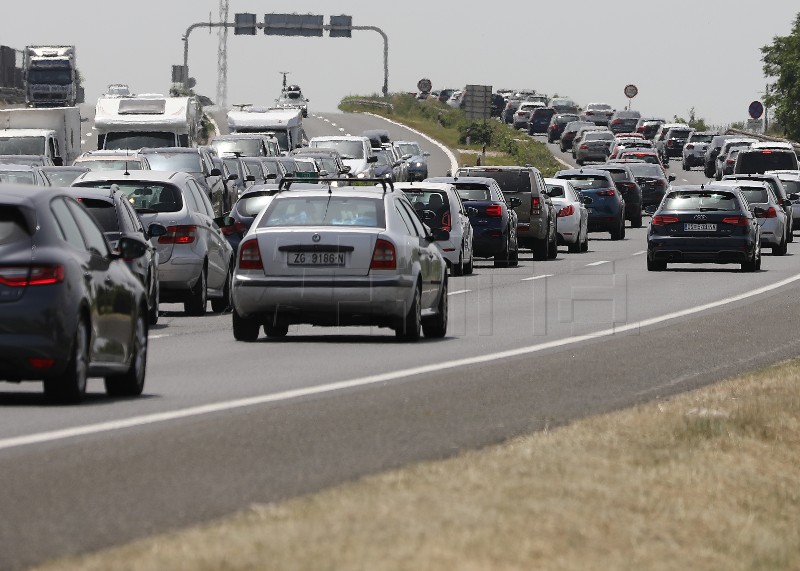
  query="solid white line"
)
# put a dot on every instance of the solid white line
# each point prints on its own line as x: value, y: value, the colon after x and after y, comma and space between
x: 459, y: 291
x: 599, y: 263
x: 144, y: 420
x: 445, y: 150
x: 639, y: 253
x: 565, y: 163
x: 537, y: 277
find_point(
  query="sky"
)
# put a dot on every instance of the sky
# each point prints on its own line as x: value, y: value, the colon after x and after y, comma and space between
x: 680, y: 54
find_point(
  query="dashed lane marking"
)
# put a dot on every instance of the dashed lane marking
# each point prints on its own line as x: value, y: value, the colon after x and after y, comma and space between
x: 459, y: 291
x: 537, y: 277
x: 598, y: 263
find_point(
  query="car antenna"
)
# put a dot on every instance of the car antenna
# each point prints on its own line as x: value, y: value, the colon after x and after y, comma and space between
x: 126, y: 173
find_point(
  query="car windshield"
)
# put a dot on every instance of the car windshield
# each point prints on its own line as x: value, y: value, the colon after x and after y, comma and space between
x: 471, y: 191
x: 347, y: 149
x: 62, y: 178
x: 146, y: 197
x: 21, y: 145
x: 584, y: 182
x: 104, y: 212
x: 184, y: 162
x: 16, y: 177
x: 331, y: 210
x: 52, y: 76
x: 111, y: 165
x: 409, y: 149
x: 700, y: 201
x: 252, y: 204
x: 646, y: 169
x: 135, y: 141
x: 241, y: 147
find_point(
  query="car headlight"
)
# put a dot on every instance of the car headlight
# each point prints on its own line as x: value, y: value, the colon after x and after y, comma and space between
x: 361, y: 175
x: 418, y: 164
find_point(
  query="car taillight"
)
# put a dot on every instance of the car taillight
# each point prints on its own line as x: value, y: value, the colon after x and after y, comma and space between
x: 179, y: 235
x: 690, y: 146
x: 729, y: 161
x: 536, y: 206
x: 628, y: 185
x: 607, y: 192
x: 769, y: 213
x: 383, y: 257
x: 520, y: 113
x: 237, y: 228
x: 494, y: 210
x: 766, y: 152
x: 41, y: 362
x: 616, y: 121
x: 250, y: 256
x: 584, y: 147
x: 21, y: 276
x: 736, y: 220
x: 446, y: 223
x: 670, y: 143
x: 568, y: 210
x: 661, y: 182
x: 661, y: 220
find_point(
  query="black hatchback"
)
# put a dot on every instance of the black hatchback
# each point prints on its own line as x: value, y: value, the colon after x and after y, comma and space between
x: 704, y: 224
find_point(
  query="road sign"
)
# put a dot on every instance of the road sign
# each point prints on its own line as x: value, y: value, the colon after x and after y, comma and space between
x: 756, y: 110
x: 341, y: 27
x: 307, y: 25
x: 424, y: 85
x: 244, y: 24
x: 631, y: 91
x: 478, y: 101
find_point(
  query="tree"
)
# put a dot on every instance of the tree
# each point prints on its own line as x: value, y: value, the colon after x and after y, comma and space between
x: 782, y: 62
x: 693, y: 121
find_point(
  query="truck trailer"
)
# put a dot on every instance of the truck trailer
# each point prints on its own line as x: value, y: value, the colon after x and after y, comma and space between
x: 285, y: 124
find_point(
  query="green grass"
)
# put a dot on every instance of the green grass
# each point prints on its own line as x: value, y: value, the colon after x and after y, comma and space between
x: 448, y: 126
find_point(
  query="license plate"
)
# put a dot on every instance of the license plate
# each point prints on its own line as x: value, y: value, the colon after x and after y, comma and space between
x: 316, y: 258
x: 700, y: 227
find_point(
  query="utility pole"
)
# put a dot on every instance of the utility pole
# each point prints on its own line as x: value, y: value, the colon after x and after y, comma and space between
x: 222, y: 56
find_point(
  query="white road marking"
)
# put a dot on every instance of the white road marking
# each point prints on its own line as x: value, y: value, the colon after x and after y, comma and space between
x: 158, y: 336
x: 537, y: 277
x: 342, y: 130
x: 684, y: 180
x: 94, y: 128
x: 348, y: 134
x: 326, y: 120
x: 333, y: 124
x: 639, y: 253
x: 598, y: 263
x: 459, y: 291
x: 89, y: 134
x: 83, y: 142
x: 148, y: 419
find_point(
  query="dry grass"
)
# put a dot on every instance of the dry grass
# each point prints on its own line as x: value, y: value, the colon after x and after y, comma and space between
x: 708, y: 480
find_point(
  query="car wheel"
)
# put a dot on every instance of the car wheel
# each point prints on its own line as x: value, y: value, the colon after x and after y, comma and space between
x: 458, y: 269
x: 224, y: 303
x: 552, y: 248
x: 618, y: 233
x: 780, y: 250
x: 753, y: 264
x: 152, y: 312
x: 563, y: 148
x: 513, y: 258
x: 790, y: 236
x: 636, y: 221
x: 579, y: 162
x: 276, y: 330
x: 585, y: 243
x: 469, y: 266
x: 577, y: 246
x: 196, y: 299
x: 684, y: 166
x: 541, y: 248
x: 656, y: 266
x: 131, y: 382
x: 501, y: 259
x: 408, y: 330
x: 71, y: 386
x: 245, y: 329
x: 436, y: 326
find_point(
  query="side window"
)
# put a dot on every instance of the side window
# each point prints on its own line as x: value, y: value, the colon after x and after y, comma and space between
x: 203, y: 204
x: 188, y: 196
x: 92, y: 235
x: 406, y: 221
x: 128, y: 217
x: 66, y: 223
x: 418, y: 227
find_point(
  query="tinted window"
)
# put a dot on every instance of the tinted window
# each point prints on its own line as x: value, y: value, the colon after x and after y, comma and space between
x: 701, y: 138
x: 762, y: 161
x: 602, y: 136
x: 325, y: 211
x: 619, y: 175
x: 755, y: 194
x: 679, y: 133
x: 111, y: 165
x: 587, y: 182
x: 701, y: 200
x: 509, y: 180
x: 431, y: 206
x: 646, y: 169
x: 12, y: 225
x: 200, y: 197
x: 67, y: 225
x: 791, y: 186
x: 184, y: 162
x: 145, y: 195
x: 125, y: 141
x: 250, y: 205
x: 104, y: 213
x: 92, y: 234
x: 470, y: 191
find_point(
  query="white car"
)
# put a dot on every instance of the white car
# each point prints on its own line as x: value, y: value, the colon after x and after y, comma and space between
x: 439, y: 206
x: 573, y: 218
x: 791, y: 182
x: 356, y: 153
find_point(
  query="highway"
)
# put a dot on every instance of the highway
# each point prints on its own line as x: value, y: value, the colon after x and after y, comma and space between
x: 223, y: 425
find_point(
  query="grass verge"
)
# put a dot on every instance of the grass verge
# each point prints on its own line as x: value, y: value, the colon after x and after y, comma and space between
x: 707, y: 480
x: 450, y: 127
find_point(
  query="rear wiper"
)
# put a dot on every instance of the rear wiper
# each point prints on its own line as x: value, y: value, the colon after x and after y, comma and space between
x: 708, y: 209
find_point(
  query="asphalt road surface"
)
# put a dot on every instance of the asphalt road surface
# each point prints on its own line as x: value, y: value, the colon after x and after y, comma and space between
x: 223, y: 424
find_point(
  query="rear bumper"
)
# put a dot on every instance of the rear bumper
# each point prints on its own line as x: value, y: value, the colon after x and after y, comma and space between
x: 179, y: 273
x: 726, y: 250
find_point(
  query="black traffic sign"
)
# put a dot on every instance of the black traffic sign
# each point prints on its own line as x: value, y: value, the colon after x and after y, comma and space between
x: 756, y: 110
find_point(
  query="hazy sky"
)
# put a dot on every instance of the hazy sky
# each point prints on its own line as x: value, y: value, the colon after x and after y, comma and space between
x: 681, y: 53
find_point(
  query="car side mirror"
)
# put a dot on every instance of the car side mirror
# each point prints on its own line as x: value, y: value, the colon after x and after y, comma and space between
x: 155, y: 230
x: 131, y: 248
x: 439, y: 235
x: 322, y: 173
x: 215, y: 172
x: 250, y: 178
x: 671, y: 177
x: 271, y: 176
x: 406, y: 157
x: 372, y: 159
x: 426, y: 154
x: 233, y: 176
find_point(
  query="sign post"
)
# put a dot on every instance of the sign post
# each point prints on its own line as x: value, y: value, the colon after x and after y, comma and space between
x: 630, y: 91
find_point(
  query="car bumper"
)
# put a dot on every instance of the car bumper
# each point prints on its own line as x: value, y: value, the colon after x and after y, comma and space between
x: 725, y: 250
x: 569, y: 228
x: 179, y: 273
x: 694, y: 160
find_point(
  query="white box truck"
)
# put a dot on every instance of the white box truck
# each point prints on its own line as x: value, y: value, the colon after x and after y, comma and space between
x: 285, y: 124
x: 147, y: 121
x: 51, y: 76
x: 54, y: 132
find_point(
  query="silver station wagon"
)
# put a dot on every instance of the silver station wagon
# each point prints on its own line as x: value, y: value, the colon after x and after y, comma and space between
x: 340, y: 256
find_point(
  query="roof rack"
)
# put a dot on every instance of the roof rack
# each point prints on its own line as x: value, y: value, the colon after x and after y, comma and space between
x: 287, y: 181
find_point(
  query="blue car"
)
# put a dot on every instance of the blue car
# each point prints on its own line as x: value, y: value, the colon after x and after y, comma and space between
x: 607, y: 206
x: 416, y: 158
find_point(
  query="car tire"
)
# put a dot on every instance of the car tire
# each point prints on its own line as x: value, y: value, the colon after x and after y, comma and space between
x: 245, y: 329
x: 579, y: 162
x: 513, y: 259
x: 70, y: 387
x: 780, y: 249
x: 618, y: 233
x: 458, y: 269
x: 223, y: 303
x: 755, y: 264
x: 469, y: 266
x: 552, y: 248
x: 585, y: 243
x: 576, y: 247
x: 276, y: 330
x: 153, y: 312
x: 685, y: 167
x: 540, y: 248
x: 131, y: 382
x: 436, y: 326
x: 501, y: 259
x: 790, y: 235
x: 197, y: 298
x: 636, y: 221
x: 409, y: 328
x: 563, y: 148
x: 656, y: 265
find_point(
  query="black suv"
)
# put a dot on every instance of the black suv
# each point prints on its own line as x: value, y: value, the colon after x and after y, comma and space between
x: 629, y: 188
x: 760, y: 160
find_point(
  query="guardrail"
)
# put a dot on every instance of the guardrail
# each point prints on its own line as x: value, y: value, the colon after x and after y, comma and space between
x: 770, y: 138
x: 12, y: 94
x: 371, y: 103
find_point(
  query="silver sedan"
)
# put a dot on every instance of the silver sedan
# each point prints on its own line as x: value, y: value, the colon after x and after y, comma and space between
x: 340, y: 256
x: 770, y: 214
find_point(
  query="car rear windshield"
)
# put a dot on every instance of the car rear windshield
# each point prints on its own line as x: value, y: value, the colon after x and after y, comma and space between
x: 587, y: 182
x: 329, y: 210
x: 646, y: 169
x: 473, y: 191
x: 762, y: 161
x: 509, y: 180
x: 755, y: 194
x: 111, y: 165
x: 252, y: 204
x: 347, y: 149
x: 146, y: 197
x: 17, y: 177
x: 646, y: 157
x: 701, y: 200
x: 432, y: 206
x: 601, y: 136
x: 701, y: 138
x: 124, y: 141
x: 13, y: 227
x: 679, y: 133
x: 104, y: 212
x: 242, y: 147
x: 185, y: 162
x: 791, y: 186
x: 618, y: 175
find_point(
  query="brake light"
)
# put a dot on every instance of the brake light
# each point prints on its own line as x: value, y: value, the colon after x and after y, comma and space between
x: 769, y: 213
x: 736, y: 220
x: 179, y: 235
x: 536, y: 206
x: 494, y: 210
x: 520, y: 113
x: 661, y: 182
x: 250, y: 256
x: 568, y: 210
x: 690, y: 146
x: 661, y: 220
x: 41, y: 362
x: 766, y: 152
x: 383, y: 257
x: 584, y: 147
x: 21, y: 276
x: 729, y: 161
x: 616, y: 121
x: 607, y: 192
x: 446, y: 225
x: 628, y: 185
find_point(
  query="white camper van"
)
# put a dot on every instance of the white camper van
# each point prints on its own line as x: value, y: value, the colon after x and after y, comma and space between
x: 149, y: 120
x: 54, y: 132
x: 285, y: 124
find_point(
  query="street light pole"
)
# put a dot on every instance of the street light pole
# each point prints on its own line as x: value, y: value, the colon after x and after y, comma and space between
x: 185, y: 38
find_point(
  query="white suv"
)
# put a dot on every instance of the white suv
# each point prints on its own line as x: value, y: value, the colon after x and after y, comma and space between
x: 356, y: 152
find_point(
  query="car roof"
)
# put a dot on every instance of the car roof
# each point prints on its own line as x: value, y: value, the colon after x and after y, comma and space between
x: 467, y: 179
x: 315, y: 190
x: 16, y: 167
x: 107, y: 193
x: 592, y: 171
x: 137, y: 175
x: 169, y: 150
x: 424, y: 185
x: 65, y: 168
x: 358, y: 138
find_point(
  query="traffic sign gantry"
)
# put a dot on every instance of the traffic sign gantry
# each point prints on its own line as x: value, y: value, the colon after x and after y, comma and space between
x: 631, y: 91
x: 756, y: 110
x: 307, y: 25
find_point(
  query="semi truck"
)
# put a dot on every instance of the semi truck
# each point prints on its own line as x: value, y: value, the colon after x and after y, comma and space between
x: 51, y: 77
x: 55, y: 133
x: 147, y: 120
x: 286, y: 125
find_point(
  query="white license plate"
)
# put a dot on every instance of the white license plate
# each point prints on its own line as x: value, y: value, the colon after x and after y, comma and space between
x: 316, y: 258
x: 700, y: 227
